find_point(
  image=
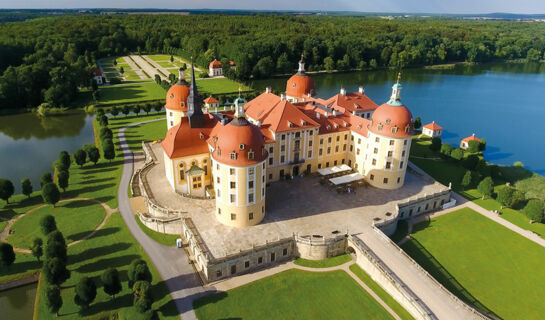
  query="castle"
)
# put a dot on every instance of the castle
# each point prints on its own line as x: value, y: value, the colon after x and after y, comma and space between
x: 232, y: 157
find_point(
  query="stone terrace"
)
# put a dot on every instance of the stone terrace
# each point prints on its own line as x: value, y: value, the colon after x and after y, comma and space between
x: 300, y: 206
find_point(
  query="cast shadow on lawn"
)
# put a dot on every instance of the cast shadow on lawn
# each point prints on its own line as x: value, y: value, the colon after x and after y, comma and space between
x: 108, y: 305
x: 76, y: 192
x: 114, y: 262
x: 92, y: 253
x: 8, y: 210
x: 100, y: 233
x: 94, y: 181
x: 20, y: 267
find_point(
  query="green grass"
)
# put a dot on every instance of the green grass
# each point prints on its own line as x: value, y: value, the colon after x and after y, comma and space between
x: 19, y: 203
x: 482, y: 262
x: 3, y: 224
x: 391, y: 302
x: 293, y: 294
x: 88, y: 215
x: 145, y: 132
x: 160, y: 57
x: 131, y: 75
x: 219, y: 85
x: 166, y: 64
x: 162, y: 238
x: 122, y: 93
x: 114, y: 247
x: 326, y: 263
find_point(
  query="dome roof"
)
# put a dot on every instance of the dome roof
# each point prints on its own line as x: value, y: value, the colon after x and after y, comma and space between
x: 215, y: 64
x: 238, y: 143
x: 300, y: 85
x: 394, y: 121
x: 177, y: 94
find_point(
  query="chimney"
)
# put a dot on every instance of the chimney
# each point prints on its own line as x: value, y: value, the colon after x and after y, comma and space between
x: 317, y: 115
x: 326, y: 114
x: 334, y: 112
x: 343, y: 91
x: 268, y: 90
x: 361, y: 89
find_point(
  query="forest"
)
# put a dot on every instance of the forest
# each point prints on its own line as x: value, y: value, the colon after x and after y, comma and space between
x: 48, y: 59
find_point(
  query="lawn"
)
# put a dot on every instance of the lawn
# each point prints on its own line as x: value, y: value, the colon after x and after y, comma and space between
x: 293, y: 294
x: 162, y: 238
x: 482, y: 262
x: 148, y: 132
x: 166, y: 64
x: 160, y: 57
x: 377, y: 289
x: 326, y: 263
x: 88, y: 215
x: 113, y: 246
x: 124, y: 93
x: 219, y: 86
x: 131, y: 75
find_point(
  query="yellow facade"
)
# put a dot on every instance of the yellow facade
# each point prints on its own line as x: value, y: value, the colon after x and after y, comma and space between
x: 176, y: 171
x: 173, y: 117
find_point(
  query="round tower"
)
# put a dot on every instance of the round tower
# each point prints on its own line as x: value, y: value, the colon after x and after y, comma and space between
x: 176, y: 100
x: 239, y: 167
x: 300, y: 86
x: 390, y: 134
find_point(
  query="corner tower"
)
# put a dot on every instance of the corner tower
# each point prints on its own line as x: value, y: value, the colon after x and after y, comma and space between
x: 300, y: 86
x: 176, y: 100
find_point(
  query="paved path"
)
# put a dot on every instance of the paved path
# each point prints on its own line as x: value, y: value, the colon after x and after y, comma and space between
x: 241, y: 280
x: 172, y: 263
x: 157, y: 66
x: 135, y: 68
x: 109, y: 211
x: 149, y: 69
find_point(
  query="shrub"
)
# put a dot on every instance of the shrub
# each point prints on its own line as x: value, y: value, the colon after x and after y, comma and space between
x: 55, y: 271
x: 80, y: 157
x: 446, y: 149
x: 486, y: 187
x: 26, y: 187
x: 112, y: 282
x: 51, y: 194
x: 473, y: 146
x: 467, y: 178
x: 53, y: 299
x: 457, y: 154
x: 37, y: 249
x: 48, y: 224
x: 45, y: 179
x: 86, y: 292
x: 435, y: 144
x: 470, y: 162
x: 138, y: 271
x: 534, y: 210
x: 142, y: 296
x: 62, y: 179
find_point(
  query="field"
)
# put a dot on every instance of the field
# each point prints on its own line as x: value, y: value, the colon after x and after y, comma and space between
x: 293, y: 294
x: 124, y: 93
x: 219, y: 86
x: 326, y: 263
x: 148, y: 131
x: 483, y: 263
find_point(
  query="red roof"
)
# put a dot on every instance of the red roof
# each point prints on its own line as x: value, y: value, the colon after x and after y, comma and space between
x: 240, y: 137
x: 433, y: 126
x: 97, y: 72
x: 210, y: 100
x: 182, y: 140
x: 215, y: 64
x: 471, y: 137
x: 392, y: 121
x: 352, y: 101
x: 300, y: 86
x: 177, y: 94
x: 232, y: 63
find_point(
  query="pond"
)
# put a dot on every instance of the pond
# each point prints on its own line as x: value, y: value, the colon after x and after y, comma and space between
x: 503, y: 103
x: 29, y: 144
x: 18, y: 303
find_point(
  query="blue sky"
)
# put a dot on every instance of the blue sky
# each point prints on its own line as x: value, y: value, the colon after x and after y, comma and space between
x: 432, y: 6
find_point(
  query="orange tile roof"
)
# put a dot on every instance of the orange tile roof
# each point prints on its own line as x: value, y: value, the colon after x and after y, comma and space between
x: 210, y: 100
x: 352, y: 101
x: 182, y: 140
x: 472, y: 137
x: 392, y: 121
x: 433, y: 126
x: 300, y: 86
x: 215, y: 64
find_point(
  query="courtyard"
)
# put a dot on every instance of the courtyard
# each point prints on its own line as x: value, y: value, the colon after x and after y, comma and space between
x: 301, y: 206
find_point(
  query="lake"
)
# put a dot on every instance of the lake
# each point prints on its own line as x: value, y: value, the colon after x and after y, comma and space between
x: 18, y: 303
x: 503, y: 103
x: 29, y: 144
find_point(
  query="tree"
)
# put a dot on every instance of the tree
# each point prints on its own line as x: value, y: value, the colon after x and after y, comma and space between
x: 45, y: 179
x: 466, y: 180
x: 94, y: 154
x: 80, y: 156
x: 457, y: 154
x: 486, y: 187
x: 446, y: 149
x: 108, y: 149
x: 37, y: 249
x: 482, y: 145
x: 417, y: 123
x: 53, y: 299
x: 283, y: 64
x: 142, y: 296
x: 470, y: 162
x: 86, y: 291
x: 121, y: 70
x: 51, y: 194
x: 126, y: 110
x: 158, y: 107
x: 534, y: 210
x: 112, y: 282
x: 373, y: 64
x: 64, y: 160
x: 138, y: 270
x: 62, y: 179
x: 157, y: 78
x: 96, y: 95
x: 7, y: 255
x: 329, y: 64
x: 147, y: 108
x: 505, y: 196
x: 533, y: 55
x: 55, y: 271
x: 171, y: 58
x: 56, y: 236
x: 435, y: 144
x: 473, y: 146
x: 48, y: 224
x: 102, y: 120
x: 264, y: 67
x: 6, y: 189
x: 57, y: 250
x: 114, y: 111
x: 105, y: 133
x: 26, y: 187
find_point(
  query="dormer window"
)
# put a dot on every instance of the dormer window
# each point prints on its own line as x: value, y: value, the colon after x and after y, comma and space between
x: 388, y: 121
x: 233, y: 155
x: 336, y: 126
x: 291, y: 125
x: 172, y: 96
x: 218, y: 151
x: 241, y: 146
x: 328, y: 127
x: 251, y: 155
x: 359, y: 126
x: 394, y: 129
x: 303, y: 123
x: 183, y: 104
x: 407, y: 128
x: 380, y: 126
x: 201, y: 135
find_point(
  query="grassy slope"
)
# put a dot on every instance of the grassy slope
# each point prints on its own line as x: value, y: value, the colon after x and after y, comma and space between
x: 123, y: 93
x: 293, y: 294
x: 485, y: 261
x: 219, y: 85
x: 326, y: 263
x: 162, y: 238
x: 391, y: 302
x: 87, y: 214
x: 148, y: 131
x: 113, y: 246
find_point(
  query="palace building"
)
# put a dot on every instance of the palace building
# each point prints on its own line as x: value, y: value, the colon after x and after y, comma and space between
x: 233, y: 156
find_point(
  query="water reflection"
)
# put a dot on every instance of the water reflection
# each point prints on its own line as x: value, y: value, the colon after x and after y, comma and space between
x: 18, y: 303
x: 29, y: 125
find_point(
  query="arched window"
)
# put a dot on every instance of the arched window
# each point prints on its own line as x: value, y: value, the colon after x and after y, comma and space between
x: 182, y: 173
x: 251, y: 154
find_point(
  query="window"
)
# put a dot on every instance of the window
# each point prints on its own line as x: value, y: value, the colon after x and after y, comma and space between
x: 218, y: 179
x: 385, y: 181
x: 171, y: 111
x: 218, y: 193
x: 231, y: 171
x: 405, y: 142
x: 310, y: 143
x: 344, y: 147
x: 319, y: 166
x: 218, y: 274
x: 335, y: 162
x: 205, y: 170
x: 233, y: 199
x: 197, y: 182
x: 394, y: 129
x: 270, y: 176
x: 321, y: 141
x: 327, y: 164
x: 282, y: 148
x: 273, y: 256
x: 401, y: 165
x: 390, y: 153
x: 345, y: 136
x: 283, y: 137
x: 233, y: 185
x: 377, y: 139
x: 351, y: 148
x: 171, y: 123
x: 250, y: 155
x: 375, y: 151
x: 329, y: 140
x: 358, y: 151
x: 309, y: 154
x: 399, y: 180
x: 281, y: 173
x: 233, y: 216
x: 250, y: 184
x: 320, y: 152
x: 233, y: 269
x: 282, y: 158
x: 251, y: 171
x: 271, y: 150
x: 359, y: 140
x: 182, y: 173
x: 219, y: 210
x: 338, y: 138
x: 285, y: 252
x: 374, y: 162
x: 388, y: 165
x: 262, y: 209
x: 246, y: 264
x: 270, y: 161
x: 372, y: 177
x: 217, y: 166
x: 391, y: 142
x: 297, y: 135
x: 403, y: 153
x: 260, y: 260
x: 251, y: 216
x: 250, y: 197
x: 311, y: 132
x: 233, y: 155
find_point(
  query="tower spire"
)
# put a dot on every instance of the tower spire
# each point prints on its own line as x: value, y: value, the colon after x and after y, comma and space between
x: 239, y: 105
x: 181, y: 76
x: 194, y: 103
x: 301, y: 69
x: 395, y: 98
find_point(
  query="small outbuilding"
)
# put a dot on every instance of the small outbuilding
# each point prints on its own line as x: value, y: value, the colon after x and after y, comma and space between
x: 211, y: 102
x: 98, y: 76
x: 464, y: 144
x: 215, y: 68
x: 432, y: 130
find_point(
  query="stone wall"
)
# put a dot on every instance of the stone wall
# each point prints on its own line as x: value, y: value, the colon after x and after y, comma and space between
x: 319, y: 248
x: 169, y: 226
